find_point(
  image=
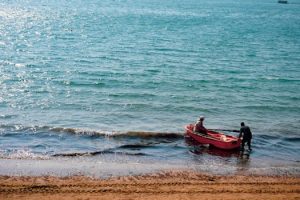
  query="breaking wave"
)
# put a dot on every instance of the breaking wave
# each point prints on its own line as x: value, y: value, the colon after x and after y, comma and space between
x: 23, y: 154
x: 79, y: 131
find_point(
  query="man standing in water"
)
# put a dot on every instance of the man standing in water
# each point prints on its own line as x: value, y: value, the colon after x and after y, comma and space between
x: 246, y: 135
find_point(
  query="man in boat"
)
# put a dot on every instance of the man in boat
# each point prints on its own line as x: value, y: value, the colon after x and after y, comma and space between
x: 246, y: 135
x: 199, y: 127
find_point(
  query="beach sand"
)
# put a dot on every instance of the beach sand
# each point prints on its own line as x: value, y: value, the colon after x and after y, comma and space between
x: 165, y: 185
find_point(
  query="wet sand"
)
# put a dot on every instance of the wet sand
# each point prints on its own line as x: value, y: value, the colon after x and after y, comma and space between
x: 164, y: 185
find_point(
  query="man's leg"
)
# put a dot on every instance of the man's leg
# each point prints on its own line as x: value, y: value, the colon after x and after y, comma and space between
x: 249, y: 144
x: 243, y: 145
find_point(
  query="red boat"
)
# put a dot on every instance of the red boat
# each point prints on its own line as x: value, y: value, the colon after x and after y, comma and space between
x: 219, y: 140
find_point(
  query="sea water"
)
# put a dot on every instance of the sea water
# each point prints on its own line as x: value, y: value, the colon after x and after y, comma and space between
x: 106, y: 87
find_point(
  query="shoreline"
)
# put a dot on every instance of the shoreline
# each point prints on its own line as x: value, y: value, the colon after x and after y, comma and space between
x: 163, y: 185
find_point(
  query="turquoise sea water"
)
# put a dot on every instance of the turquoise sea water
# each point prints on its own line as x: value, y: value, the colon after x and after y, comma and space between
x: 76, y: 77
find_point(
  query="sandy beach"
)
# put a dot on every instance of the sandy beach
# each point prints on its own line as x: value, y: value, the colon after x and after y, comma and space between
x: 164, y: 185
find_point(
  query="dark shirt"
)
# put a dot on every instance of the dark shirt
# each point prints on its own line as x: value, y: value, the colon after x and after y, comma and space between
x: 246, y: 133
x: 200, y: 128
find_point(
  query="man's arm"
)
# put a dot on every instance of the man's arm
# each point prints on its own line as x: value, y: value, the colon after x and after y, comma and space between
x: 241, y: 133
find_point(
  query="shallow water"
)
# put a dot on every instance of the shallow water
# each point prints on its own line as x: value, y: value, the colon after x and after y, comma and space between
x: 86, y: 81
x: 62, y: 152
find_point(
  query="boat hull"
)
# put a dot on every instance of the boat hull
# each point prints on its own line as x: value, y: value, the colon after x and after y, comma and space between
x: 213, y: 138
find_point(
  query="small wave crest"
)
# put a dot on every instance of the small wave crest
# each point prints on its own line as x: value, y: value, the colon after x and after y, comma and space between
x: 79, y: 131
x: 135, y: 146
x: 7, y: 116
x: 292, y: 139
x: 119, y: 150
x: 154, y: 134
x: 75, y: 154
x: 22, y: 154
x: 142, y: 134
x: 282, y: 138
